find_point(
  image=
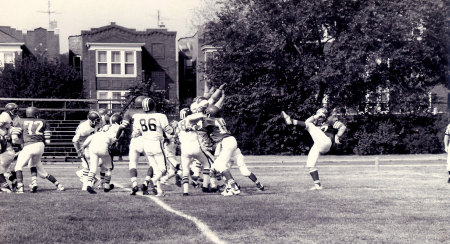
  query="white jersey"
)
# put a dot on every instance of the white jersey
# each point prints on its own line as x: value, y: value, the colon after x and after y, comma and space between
x: 105, y: 135
x: 84, y: 130
x: 186, y: 132
x: 151, y: 125
x: 5, y: 123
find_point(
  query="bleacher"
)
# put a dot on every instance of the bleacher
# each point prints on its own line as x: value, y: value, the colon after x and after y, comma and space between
x: 61, y: 148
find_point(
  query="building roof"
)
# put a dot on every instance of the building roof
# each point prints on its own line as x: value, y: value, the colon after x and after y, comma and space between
x: 6, y: 38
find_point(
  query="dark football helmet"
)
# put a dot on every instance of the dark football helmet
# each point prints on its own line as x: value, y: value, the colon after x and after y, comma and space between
x: 138, y: 101
x: 94, y: 118
x: 11, y: 108
x: 212, y: 111
x: 185, y: 112
x: 32, y: 112
x: 115, y: 119
x: 148, y: 104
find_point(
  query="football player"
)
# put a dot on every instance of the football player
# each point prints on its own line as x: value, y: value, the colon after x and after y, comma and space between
x: 36, y: 133
x: 154, y: 127
x: 236, y: 157
x: 7, y: 151
x: 136, y: 146
x: 190, y: 147
x: 84, y: 130
x: 219, y: 134
x: 324, y: 137
x: 99, y: 146
x: 170, y: 148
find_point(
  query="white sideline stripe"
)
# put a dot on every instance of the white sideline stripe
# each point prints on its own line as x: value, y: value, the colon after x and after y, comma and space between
x: 200, y: 225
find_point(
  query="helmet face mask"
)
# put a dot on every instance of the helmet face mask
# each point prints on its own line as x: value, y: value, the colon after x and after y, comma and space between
x: 94, y: 118
x: 12, y: 108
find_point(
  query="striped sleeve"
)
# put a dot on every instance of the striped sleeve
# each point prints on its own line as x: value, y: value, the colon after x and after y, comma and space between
x: 16, y: 131
x: 337, y: 124
x: 47, y: 132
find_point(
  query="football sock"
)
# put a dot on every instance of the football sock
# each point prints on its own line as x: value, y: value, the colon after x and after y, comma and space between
x: 315, y: 176
x: 102, y: 177
x: 230, y: 180
x: 52, y: 179
x: 107, y: 181
x: 133, y: 175
x: 91, y: 176
x: 299, y: 123
x: 33, y: 175
x: 19, y: 176
x: 253, y: 178
x: 206, y: 177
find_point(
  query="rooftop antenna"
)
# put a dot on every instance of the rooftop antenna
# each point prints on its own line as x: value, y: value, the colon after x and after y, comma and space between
x: 49, y: 12
x: 159, y: 24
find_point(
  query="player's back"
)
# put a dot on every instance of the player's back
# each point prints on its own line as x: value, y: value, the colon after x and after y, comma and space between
x: 33, y: 129
x: 186, y: 132
x: 151, y: 125
x: 128, y: 116
x: 106, y: 134
x: 217, y: 129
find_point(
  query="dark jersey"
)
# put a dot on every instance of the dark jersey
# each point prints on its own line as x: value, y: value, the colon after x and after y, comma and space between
x: 217, y: 129
x: 331, y: 127
x: 33, y: 130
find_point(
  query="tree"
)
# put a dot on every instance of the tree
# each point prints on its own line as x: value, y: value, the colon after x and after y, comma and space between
x: 36, y: 77
x: 290, y: 54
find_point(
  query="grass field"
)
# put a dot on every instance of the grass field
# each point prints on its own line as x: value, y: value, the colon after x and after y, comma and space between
x: 406, y: 202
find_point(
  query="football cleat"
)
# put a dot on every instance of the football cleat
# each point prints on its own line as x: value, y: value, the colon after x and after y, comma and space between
x: 145, y: 192
x: 111, y: 186
x: 195, y: 184
x: 33, y: 188
x: 185, y: 194
x: 260, y: 187
x: 205, y: 189
x: 134, y: 190
x: 60, y: 187
x: 316, y: 187
x: 90, y: 190
x: 5, y: 188
x: 286, y: 118
x: 161, y: 194
x: 19, y: 189
x: 231, y: 191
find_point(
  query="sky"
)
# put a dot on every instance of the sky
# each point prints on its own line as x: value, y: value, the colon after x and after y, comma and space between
x: 73, y: 16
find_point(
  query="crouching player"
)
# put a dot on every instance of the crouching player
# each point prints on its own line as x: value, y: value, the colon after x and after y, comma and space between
x: 99, y: 145
x: 36, y: 133
x: 84, y: 130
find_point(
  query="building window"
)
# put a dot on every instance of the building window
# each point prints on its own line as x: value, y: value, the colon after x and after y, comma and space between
x: 116, y: 63
x: 77, y: 63
x: 112, y: 99
x: 6, y: 58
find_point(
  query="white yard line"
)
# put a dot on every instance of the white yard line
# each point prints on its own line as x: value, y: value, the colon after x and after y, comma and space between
x: 200, y: 225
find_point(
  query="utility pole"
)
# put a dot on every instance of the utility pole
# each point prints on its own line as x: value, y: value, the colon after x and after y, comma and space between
x: 49, y: 12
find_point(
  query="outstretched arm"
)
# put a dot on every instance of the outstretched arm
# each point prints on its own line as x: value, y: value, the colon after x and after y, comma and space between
x: 216, y: 95
x: 220, y: 102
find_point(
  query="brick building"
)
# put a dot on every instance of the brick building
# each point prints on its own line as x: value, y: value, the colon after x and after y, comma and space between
x: 17, y: 43
x: 113, y: 58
